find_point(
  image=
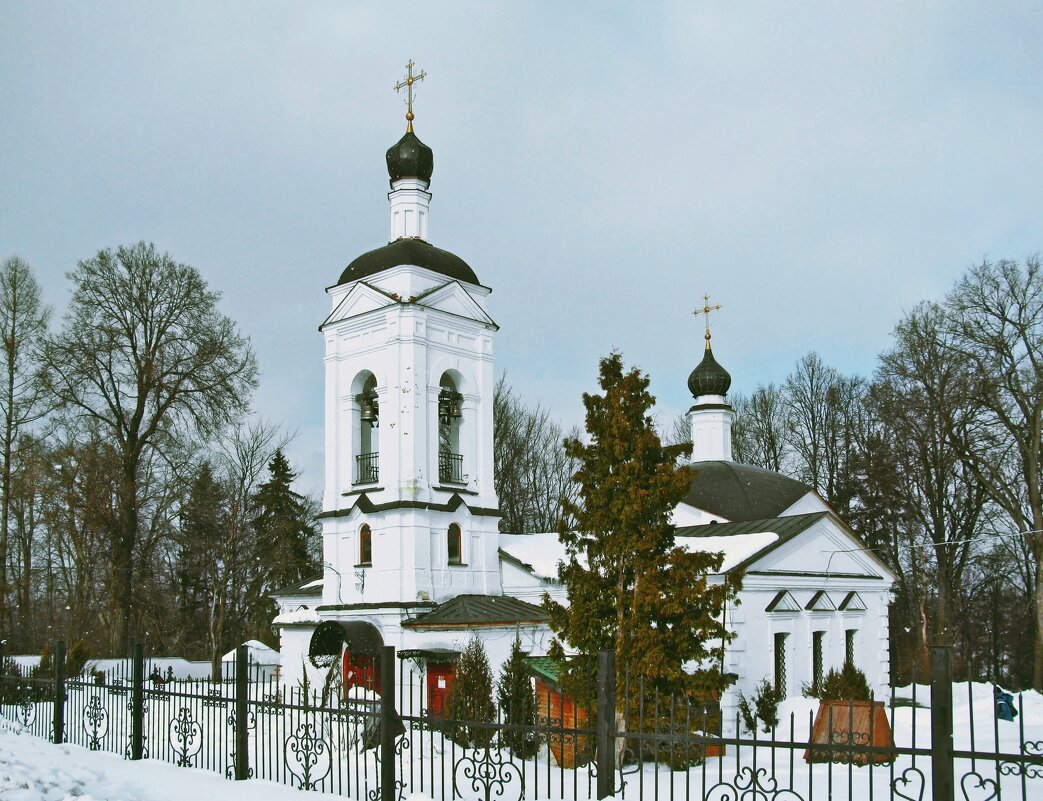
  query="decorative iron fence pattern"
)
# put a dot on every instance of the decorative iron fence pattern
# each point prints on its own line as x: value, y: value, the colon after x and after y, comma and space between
x: 634, y: 743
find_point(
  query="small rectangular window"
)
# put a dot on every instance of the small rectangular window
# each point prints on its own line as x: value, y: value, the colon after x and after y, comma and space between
x: 849, y: 646
x: 780, y: 663
x: 817, y: 661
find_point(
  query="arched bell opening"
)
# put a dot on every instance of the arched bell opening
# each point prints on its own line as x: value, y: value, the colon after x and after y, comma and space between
x: 450, y: 420
x: 365, y: 429
x: 355, y: 645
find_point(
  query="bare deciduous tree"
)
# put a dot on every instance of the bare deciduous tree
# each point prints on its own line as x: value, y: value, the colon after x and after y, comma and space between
x: 533, y: 473
x: 23, y: 323
x: 994, y: 320
x: 146, y: 355
x: 921, y: 394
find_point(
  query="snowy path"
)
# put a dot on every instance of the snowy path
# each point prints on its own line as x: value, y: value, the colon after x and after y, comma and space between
x: 32, y: 769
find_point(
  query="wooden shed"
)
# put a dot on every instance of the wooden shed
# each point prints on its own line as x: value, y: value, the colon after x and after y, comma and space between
x: 557, y: 710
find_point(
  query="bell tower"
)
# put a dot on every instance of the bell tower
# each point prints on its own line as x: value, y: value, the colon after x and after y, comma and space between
x: 410, y: 513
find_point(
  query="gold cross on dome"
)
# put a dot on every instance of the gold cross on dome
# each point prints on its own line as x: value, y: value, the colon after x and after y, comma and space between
x: 407, y: 84
x: 706, y: 309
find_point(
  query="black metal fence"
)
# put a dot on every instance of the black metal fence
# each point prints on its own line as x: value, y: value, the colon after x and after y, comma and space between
x: 629, y: 742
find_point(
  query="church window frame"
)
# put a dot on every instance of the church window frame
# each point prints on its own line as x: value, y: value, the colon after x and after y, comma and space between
x: 365, y: 552
x: 780, y: 677
x: 818, y: 647
x: 849, y: 646
x: 454, y: 545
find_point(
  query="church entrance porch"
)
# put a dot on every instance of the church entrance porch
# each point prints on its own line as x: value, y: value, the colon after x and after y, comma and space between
x: 355, y: 644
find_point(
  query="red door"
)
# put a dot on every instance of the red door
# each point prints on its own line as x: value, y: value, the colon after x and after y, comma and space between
x: 439, y: 681
x: 361, y: 672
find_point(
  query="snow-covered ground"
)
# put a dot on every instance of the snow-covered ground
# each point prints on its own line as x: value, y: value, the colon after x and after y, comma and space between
x: 35, y: 770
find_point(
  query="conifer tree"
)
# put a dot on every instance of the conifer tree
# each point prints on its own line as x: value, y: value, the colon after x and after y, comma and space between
x: 629, y: 587
x: 470, y: 700
x: 283, y: 529
x: 517, y: 702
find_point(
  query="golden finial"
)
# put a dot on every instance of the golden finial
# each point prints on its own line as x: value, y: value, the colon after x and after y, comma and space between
x: 407, y: 84
x: 706, y: 309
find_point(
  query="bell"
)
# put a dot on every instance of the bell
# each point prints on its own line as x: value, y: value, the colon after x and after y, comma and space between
x: 369, y: 410
x: 445, y: 405
x: 455, y: 407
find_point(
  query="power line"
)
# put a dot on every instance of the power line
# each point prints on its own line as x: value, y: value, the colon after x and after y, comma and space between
x: 913, y: 547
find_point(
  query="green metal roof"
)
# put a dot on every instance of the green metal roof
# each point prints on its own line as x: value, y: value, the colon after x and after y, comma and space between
x: 301, y: 587
x: 785, y: 527
x: 544, y: 667
x: 466, y: 611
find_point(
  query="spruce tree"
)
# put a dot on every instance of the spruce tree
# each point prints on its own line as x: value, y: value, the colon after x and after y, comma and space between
x: 517, y: 702
x: 283, y: 529
x: 629, y: 587
x: 470, y: 701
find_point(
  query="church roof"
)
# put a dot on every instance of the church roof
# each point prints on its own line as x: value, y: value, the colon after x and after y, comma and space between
x: 739, y: 492
x: 309, y: 586
x: 409, y: 251
x: 479, y: 610
x: 785, y: 529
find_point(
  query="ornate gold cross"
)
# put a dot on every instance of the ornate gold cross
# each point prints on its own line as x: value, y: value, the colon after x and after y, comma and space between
x: 706, y: 309
x: 407, y: 84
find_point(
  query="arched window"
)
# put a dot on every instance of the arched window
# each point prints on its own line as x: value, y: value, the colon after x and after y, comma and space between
x: 450, y: 413
x: 365, y: 546
x: 455, y: 540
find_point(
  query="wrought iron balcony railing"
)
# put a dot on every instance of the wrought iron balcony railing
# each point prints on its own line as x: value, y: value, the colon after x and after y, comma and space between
x: 367, y: 468
x: 451, y: 467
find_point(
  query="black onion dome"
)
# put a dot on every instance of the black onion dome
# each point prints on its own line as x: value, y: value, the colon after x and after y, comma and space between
x: 709, y: 378
x: 410, y: 158
x: 409, y: 251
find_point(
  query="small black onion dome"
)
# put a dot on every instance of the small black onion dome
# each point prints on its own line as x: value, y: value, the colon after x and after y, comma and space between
x: 409, y: 251
x: 410, y: 158
x: 709, y: 378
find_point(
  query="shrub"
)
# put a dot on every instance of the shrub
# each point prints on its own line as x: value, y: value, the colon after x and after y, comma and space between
x: 46, y: 666
x: 766, y: 700
x: 847, y: 684
x: 470, y: 701
x: 749, y: 720
x: 76, y: 659
x: 518, y: 703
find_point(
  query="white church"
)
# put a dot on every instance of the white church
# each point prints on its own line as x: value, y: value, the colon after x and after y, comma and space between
x: 412, y: 554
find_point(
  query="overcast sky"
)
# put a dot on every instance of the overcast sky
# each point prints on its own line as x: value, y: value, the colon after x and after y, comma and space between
x: 818, y: 168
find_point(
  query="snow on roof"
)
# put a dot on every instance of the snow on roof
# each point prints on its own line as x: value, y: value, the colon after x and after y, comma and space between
x: 737, y: 548
x: 258, y: 653
x: 303, y: 615
x: 316, y: 583
x: 542, y: 552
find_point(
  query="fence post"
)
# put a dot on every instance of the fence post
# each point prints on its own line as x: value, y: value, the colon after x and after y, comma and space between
x: 59, y: 692
x: 941, y: 723
x: 606, y: 733
x: 242, y: 731
x: 137, y: 702
x: 387, y: 724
